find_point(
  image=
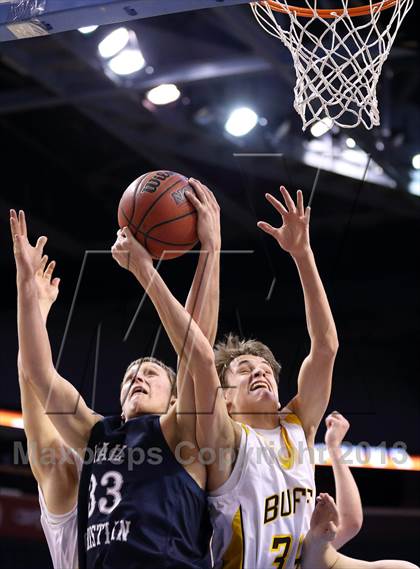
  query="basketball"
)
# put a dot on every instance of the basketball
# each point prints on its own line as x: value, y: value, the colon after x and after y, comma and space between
x: 158, y: 214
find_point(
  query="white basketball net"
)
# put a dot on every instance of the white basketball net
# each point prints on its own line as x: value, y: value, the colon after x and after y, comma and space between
x: 338, y: 61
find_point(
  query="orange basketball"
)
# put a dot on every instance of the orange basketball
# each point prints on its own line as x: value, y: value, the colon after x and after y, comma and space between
x: 158, y: 214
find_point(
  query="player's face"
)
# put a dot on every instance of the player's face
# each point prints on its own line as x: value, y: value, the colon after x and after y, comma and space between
x: 253, y: 388
x: 145, y: 389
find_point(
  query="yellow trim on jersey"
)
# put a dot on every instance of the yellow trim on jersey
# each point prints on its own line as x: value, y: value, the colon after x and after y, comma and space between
x: 245, y: 428
x: 292, y: 418
x: 285, y: 462
x: 235, y: 553
x: 288, y: 461
x: 298, y: 556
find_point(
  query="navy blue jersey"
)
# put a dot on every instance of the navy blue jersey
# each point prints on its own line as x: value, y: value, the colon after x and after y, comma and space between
x: 138, y: 507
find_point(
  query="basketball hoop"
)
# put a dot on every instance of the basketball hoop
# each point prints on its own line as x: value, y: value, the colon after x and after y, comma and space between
x: 338, y: 55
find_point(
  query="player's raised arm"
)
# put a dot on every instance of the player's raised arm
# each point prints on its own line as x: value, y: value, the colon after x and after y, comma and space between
x: 319, y: 551
x: 315, y: 376
x: 186, y: 337
x: 203, y: 298
x: 184, y: 334
x: 67, y: 410
x: 347, y: 494
x: 57, y: 478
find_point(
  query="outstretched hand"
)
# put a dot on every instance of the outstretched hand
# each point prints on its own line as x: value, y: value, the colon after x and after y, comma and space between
x: 337, y: 427
x: 293, y: 235
x: 208, y: 214
x: 130, y: 254
x: 27, y: 257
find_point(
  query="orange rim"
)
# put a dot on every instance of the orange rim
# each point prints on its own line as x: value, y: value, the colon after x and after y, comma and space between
x: 330, y: 13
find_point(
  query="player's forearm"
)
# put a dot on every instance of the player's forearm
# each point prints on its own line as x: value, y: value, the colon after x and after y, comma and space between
x: 31, y: 406
x: 347, y: 497
x: 203, y: 298
x: 203, y: 305
x: 317, y: 553
x: 39, y: 430
x: 26, y: 391
x: 184, y: 334
x: 320, y: 321
x: 38, y: 427
x: 35, y: 350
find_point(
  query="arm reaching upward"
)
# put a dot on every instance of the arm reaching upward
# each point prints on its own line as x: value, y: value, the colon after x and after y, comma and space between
x: 203, y: 298
x: 186, y: 337
x: 39, y: 430
x: 315, y: 376
x: 69, y: 413
x: 58, y: 479
x: 347, y: 494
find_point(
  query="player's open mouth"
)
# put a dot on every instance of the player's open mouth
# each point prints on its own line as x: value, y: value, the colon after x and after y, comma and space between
x: 259, y: 385
x: 139, y: 389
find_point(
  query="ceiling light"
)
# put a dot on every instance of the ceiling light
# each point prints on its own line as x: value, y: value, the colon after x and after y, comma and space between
x: 350, y: 162
x: 164, y: 94
x: 88, y: 29
x: 321, y: 127
x: 114, y: 43
x: 127, y: 61
x: 414, y: 184
x: 241, y: 121
x: 416, y: 162
x: 350, y: 143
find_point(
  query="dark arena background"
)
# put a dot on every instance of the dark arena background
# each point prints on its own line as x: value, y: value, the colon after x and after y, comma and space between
x: 74, y: 133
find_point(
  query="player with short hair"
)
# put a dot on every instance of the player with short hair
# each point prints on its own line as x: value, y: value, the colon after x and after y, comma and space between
x: 153, y: 514
x: 287, y: 456
x: 262, y: 503
x: 286, y: 490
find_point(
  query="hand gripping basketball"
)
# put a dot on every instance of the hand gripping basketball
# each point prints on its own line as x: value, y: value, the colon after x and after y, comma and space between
x: 130, y: 254
x: 208, y: 214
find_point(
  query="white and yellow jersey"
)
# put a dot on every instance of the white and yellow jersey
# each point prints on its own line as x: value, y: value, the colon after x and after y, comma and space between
x: 262, y: 512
